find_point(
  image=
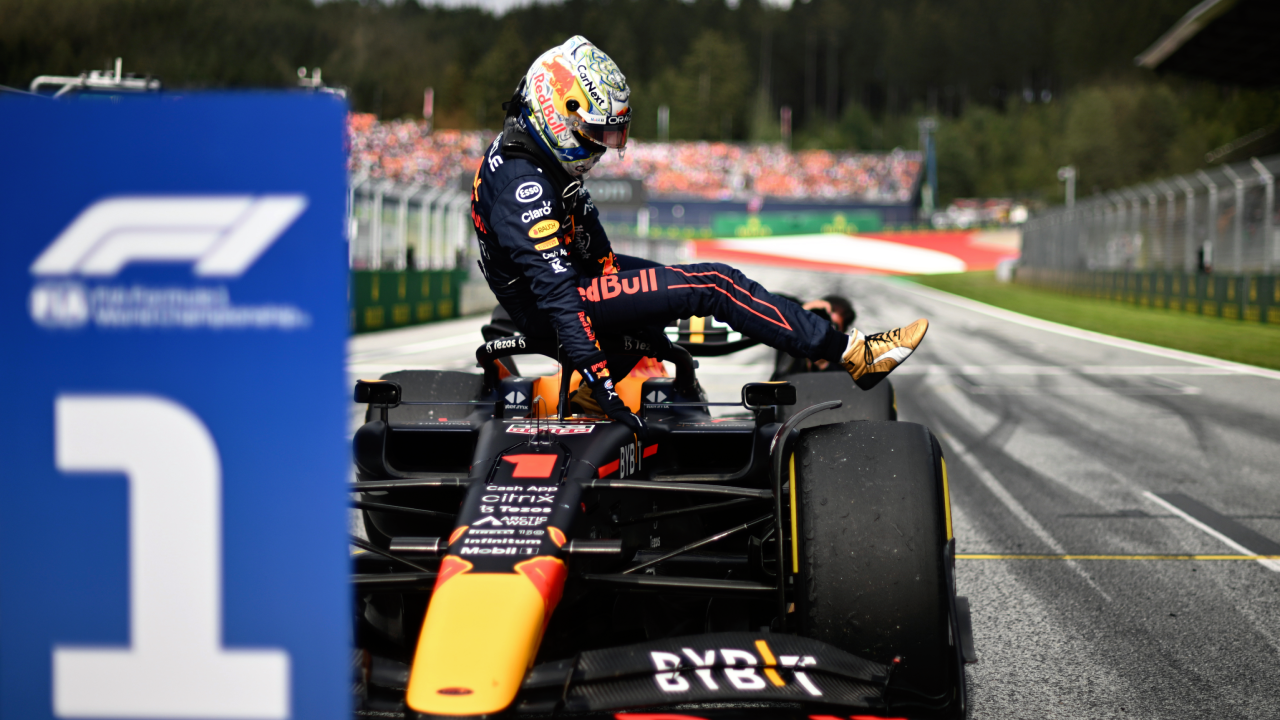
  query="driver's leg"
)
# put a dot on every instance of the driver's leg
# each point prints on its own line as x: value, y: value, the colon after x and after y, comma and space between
x: 658, y: 295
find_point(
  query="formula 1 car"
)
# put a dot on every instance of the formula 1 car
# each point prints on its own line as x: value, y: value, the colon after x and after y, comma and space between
x: 792, y: 560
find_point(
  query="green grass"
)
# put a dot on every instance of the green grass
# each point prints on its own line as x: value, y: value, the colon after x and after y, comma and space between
x: 1238, y: 340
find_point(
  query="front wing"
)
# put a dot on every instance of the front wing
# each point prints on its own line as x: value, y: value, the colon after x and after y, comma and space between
x: 716, y: 668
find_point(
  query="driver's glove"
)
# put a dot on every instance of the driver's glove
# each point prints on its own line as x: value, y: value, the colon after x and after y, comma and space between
x: 603, y: 392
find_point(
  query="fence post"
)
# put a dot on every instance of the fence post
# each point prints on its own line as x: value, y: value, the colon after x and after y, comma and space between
x: 353, y: 225
x: 462, y: 227
x: 422, y: 258
x: 1153, y: 219
x: 402, y: 227
x: 1188, y: 256
x: 1267, y: 219
x: 1171, y: 200
x: 1119, y: 229
x: 1134, y: 229
x: 1237, y: 239
x: 375, y: 249
x: 1212, y: 220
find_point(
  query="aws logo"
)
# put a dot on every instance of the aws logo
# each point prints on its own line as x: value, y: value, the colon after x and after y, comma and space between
x: 740, y: 669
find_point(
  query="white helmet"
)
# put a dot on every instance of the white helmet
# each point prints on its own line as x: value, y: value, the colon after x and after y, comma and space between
x: 577, y: 104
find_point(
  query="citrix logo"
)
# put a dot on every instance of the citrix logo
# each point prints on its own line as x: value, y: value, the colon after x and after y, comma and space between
x: 531, y: 215
x: 222, y: 235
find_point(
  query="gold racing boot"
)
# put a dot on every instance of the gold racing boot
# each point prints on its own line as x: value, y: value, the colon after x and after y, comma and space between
x: 869, y: 358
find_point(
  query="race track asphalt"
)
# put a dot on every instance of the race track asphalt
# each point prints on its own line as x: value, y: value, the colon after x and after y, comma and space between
x: 1058, y: 444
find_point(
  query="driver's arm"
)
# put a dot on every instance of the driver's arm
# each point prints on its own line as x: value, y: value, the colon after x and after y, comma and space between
x: 533, y: 233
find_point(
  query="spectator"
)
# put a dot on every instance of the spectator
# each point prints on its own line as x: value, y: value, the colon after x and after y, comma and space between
x: 404, y: 151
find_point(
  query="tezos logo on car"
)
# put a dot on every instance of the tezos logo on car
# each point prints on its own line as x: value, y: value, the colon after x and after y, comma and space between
x: 528, y: 192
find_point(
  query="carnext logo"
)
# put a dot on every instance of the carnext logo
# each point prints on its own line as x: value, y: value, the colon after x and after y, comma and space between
x: 220, y: 236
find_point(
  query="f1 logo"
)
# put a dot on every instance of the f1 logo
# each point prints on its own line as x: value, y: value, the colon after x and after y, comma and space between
x: 223, y: 235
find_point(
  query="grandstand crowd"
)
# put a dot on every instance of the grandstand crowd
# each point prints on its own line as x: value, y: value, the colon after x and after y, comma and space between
x: 404, y: 151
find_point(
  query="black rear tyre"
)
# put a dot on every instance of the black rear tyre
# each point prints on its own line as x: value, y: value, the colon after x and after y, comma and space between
x: 812, y: 388
x: 875, y: 576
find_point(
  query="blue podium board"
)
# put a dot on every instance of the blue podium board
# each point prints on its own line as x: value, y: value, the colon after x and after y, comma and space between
x: 172, y: 445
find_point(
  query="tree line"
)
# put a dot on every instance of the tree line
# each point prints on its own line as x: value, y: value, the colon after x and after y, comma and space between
x: 1020, y: 87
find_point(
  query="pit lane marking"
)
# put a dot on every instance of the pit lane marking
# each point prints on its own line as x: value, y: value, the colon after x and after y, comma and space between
x: 1218, y: 526
x: 1015, y: 508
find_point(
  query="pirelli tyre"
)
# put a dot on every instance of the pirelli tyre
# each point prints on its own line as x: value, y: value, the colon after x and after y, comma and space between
x: 405, y: 448
x: 876, y: 561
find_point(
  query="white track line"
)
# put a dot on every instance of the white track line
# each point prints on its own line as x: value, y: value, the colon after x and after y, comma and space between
x: 1077, y: 333
x: 1269, y: 564
x: 1105, y: 370
x: 1015, y: 507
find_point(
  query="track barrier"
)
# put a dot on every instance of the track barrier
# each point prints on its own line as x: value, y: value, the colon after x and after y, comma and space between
x: 1235, y: 297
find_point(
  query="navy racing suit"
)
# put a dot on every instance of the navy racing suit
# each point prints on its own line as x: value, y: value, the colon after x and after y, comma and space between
x: 548, y: 260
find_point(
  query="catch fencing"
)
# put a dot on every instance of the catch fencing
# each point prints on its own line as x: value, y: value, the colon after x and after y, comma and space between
x: 1219, y: 220
x: 412, y: 248
x: 1205, y: 243
x: 393, y: 226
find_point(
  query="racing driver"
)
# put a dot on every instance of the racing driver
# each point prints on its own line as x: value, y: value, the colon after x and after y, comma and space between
x: 547, y: 258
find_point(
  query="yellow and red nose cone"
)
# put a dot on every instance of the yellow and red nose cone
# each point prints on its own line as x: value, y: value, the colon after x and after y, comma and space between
x: 481, y: 634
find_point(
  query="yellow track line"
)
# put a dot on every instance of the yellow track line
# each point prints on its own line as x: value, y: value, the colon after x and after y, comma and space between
x: 1116, y: 557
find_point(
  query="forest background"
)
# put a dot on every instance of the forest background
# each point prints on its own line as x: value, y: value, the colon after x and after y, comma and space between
x: 1020, y: 87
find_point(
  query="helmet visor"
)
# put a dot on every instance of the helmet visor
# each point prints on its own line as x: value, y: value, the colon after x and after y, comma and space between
x: 610, y: 131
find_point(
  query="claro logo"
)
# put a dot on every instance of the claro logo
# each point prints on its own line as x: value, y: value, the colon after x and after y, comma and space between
x: 534, y: 214
x: 220, y: 236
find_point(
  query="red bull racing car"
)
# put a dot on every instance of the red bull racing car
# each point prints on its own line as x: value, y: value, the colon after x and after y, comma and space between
x: 794, y: 559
